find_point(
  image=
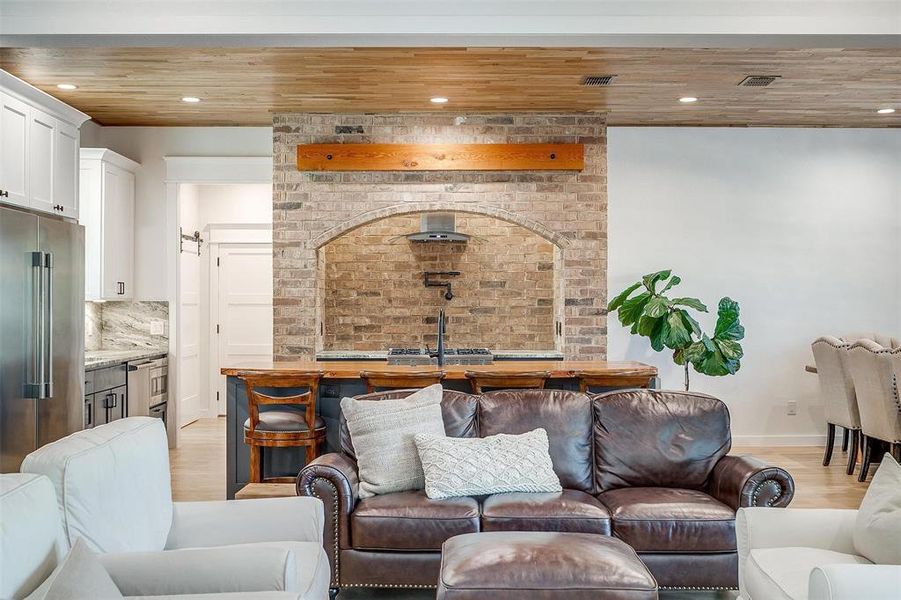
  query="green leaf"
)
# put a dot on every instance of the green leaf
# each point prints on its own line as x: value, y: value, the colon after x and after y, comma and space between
x: 713, y: 364
x: 646, y: 325
x: 674, y: 333
x: 695, y: 352
x: 727, y: 324
x: 675, y: 280
x: 618, y: 301
x: 650, y: 280
x: 632, y: 308
x: 679, y: 356
x: 656, y: 307
x: 690, y: 322
x: 730, y: 349
x: 690, y: 303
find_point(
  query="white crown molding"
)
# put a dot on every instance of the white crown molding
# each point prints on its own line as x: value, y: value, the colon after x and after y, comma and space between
x: 218, y: 169
x: 32, y: 95
x: 107, y: 155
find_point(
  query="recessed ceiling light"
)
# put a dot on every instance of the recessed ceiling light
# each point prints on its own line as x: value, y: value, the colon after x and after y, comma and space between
x: 67, y: 86
x: 687, y: 99
x: 438, y: 100
x: 885, y: 111
x: 191, y: 99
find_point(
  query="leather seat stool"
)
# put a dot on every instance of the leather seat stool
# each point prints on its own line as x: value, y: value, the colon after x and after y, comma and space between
x: 525, y: 565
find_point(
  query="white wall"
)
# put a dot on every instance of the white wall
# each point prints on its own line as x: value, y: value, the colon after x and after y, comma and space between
x: 233, y: 203
x: 148, y: 146
x: 801, y: 226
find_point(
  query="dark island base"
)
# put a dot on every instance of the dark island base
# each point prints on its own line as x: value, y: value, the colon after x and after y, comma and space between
x: 287, y: 462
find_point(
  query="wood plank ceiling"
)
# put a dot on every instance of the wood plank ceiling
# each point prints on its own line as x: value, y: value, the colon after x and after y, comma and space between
x: 244, y: 86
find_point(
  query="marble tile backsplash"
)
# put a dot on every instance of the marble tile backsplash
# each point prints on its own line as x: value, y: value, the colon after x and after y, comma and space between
x: 126, y: 325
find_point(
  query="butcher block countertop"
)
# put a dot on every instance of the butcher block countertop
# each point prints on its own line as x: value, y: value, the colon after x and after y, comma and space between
x: 559, y: 369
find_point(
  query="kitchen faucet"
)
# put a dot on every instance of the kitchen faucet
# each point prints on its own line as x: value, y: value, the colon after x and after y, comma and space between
x: 441, y: 332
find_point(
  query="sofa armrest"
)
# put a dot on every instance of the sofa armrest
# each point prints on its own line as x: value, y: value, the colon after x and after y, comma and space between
x: 852, y: 582
x: 334, y: 479
x: 249, y: 568
x: 740, y: 481
x: 206, y: 524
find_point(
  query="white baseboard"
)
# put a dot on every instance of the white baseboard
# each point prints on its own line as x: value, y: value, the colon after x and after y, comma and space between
x: 781, y: 440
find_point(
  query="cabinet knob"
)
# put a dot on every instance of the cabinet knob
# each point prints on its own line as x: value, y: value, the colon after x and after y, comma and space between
x: 4, y: 193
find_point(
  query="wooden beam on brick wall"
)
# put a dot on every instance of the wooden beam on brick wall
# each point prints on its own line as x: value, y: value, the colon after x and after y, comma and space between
x: 440, y: 157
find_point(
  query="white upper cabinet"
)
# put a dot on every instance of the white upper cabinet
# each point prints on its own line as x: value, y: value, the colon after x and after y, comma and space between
x: 39, y: 141
x: 107, y: 197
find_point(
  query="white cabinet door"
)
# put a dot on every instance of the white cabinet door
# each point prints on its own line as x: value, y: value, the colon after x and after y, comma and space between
x: 14, y: 122
x: 117, y: 229
x: 65, y: 169
x: 41, y: 134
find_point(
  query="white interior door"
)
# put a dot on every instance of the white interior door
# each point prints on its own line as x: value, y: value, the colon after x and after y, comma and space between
x: 242, y: 309
x: 189, y: 340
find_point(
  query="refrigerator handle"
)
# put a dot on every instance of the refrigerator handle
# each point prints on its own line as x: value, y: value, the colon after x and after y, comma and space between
x: 36, y: 385
x: 48, y: 333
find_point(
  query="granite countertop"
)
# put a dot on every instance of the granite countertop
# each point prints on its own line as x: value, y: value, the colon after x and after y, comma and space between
x: 96, y: 359
x: 382, y: 355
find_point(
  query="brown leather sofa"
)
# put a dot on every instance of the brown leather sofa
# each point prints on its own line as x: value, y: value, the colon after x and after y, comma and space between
x: 650, y: 467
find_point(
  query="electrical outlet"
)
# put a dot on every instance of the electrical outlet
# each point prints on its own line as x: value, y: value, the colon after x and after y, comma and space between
x: 158, y: 327
x: 792, y: 408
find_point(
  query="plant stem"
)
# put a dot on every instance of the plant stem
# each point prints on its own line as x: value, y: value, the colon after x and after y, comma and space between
x: 686, y: 376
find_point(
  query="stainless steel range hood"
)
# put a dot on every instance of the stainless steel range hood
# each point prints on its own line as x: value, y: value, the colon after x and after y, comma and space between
x: 438, y: 227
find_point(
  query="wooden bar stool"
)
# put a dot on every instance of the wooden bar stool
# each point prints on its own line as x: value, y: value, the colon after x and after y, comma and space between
x: 588, y: 379
x: 408, y: 380
x: 479, y: 380
x: 283, y: 427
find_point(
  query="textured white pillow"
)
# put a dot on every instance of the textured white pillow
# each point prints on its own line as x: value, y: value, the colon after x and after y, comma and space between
x: 491, y: 465
x: 79, y: 577
x: 382, y: 434
x: 877, y: 530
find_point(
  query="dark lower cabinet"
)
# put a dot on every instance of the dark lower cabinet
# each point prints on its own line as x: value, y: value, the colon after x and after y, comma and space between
x: 106, y: 395
x: 159, y: 411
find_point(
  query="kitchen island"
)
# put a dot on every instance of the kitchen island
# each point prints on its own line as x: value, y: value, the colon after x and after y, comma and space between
x: 341, y: 378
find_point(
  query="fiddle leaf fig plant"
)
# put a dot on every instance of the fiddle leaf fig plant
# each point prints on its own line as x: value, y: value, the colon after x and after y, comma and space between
x: 667, y: 323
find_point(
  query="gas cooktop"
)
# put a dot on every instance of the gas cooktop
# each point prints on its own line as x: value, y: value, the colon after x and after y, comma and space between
x: 452, y: 356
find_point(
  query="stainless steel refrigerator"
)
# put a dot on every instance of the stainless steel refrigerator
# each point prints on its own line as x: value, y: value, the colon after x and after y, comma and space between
x: 41, y: 332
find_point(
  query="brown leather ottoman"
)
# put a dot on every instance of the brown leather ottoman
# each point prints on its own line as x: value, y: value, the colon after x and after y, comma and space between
x: 520, y: 565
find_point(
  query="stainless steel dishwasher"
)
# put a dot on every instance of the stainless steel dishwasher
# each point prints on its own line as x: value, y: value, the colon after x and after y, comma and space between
x: 148, y: 387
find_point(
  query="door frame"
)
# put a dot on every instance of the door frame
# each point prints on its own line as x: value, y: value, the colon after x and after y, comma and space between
x: 218, y: 235
x: 195, y: 169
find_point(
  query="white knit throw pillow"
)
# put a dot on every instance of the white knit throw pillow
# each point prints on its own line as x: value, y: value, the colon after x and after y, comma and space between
x: 877, y: 530
x: 382, y: 434
x: 490, y: 465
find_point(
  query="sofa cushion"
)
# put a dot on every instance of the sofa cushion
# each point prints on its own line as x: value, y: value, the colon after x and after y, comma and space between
x: 566, y: 416
x: 567, y: 511
x: 112, y: 484
x: 784, y: 573
x: 79, y: 577
x: 877, y: 529
x: 411, y: 521
x: 670, y: 520
x: 458, y: 410
x: 652, y: 438
x: 31, y: 536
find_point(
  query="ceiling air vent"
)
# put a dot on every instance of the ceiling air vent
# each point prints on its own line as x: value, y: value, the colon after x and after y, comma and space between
x: 758, y: 80
x: 598, y: 80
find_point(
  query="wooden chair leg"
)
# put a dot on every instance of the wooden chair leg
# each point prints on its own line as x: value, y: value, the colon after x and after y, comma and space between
x: 830, y: 441
x: 310, y: 452
x: 852, y: 452
x: 844, y: 439
x: 256, y: 464
x: 867, y: 455
x: 896, y: 452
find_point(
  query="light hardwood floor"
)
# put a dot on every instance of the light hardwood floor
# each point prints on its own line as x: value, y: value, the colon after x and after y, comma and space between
x: 198, y: 470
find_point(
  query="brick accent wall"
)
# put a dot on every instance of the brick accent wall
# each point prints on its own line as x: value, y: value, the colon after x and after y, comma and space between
x: 565, y: 208
x: 374, y: 297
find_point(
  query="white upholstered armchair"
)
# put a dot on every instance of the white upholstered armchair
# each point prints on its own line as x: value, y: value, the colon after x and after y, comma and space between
x: 112, y: 486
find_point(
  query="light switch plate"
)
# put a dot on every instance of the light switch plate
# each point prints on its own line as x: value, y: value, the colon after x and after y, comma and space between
x: 158, y: 327
x: 792, y: 408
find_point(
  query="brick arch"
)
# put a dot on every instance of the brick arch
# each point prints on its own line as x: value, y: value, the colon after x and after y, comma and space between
x: 421, y: 207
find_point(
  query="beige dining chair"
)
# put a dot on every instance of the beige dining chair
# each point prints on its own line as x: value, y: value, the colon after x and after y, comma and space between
x: 839, y: 399
x: 886, y: 341
x: 874, y: 370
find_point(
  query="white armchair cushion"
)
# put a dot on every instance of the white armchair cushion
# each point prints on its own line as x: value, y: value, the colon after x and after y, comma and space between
x: 229, y: 596
x: 877, y: 530
x: 79, y: 577
x: 855, y: 582
x: 202, y: 524
x: 783, y: 573
x: 31, y: 540
x: 112, y: 483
